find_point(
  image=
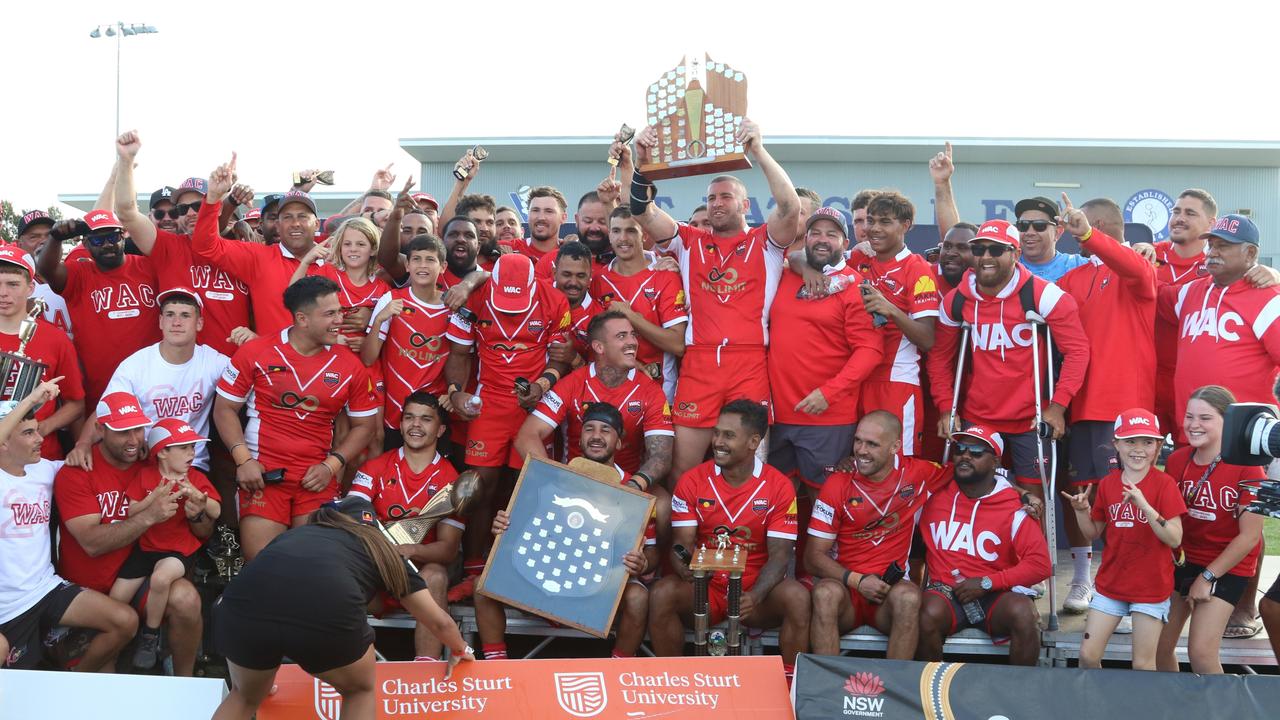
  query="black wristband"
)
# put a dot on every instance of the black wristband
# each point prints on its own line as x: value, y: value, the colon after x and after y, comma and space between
x: 550, y: 377
x: 648, y: 481
x: 338, y: 455
x: 642, y: 193
x: 845, y: 580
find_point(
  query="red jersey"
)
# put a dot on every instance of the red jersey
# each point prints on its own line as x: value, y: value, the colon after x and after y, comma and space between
x: 413, y: 350
x: 1116, y: 293
x: 907, y: 281
x: 116, y: 313
x: 511, y: 345
x: 78, y: 492
x: 292, y: 399
x: 226, y: 299
x: 352, y: 296
x: 397, y: 492
x: 579, y: 321
x: 991, y: 536
x: 544, y: 267
x: 524, y: 246
x: 1213, y: 511
x: 174, y: 534
x: 831, y: 338
x: 444, y: 280
x: 1136, y: 566
x: 872, y: 523
x: 265, y: 269
x: 52, y: 347
x: 1001, y: 391
x: 656, y: 295
x: 644, y: 408
x: 729, y: 282
x: 1173, y: 269
x: 1226, y: 336
x: 762, y: 507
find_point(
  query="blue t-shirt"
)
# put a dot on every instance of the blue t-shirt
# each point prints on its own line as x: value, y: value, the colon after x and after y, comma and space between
x: 1057, y: 267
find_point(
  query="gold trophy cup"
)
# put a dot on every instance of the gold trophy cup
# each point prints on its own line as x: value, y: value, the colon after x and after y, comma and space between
x: 19, y: 374
x: 453, y: 501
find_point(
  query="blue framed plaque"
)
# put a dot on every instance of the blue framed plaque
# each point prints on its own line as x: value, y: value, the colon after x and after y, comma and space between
x: 561, y: 556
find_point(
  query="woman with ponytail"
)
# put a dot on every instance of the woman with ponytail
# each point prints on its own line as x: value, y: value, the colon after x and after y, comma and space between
x: 304, y: 597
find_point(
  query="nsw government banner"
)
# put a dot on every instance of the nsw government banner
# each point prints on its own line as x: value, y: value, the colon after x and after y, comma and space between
x: 743, y: 688
x: 835, y: 687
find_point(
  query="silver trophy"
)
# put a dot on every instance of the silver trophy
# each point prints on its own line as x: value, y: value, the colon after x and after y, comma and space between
x: 20, y: 374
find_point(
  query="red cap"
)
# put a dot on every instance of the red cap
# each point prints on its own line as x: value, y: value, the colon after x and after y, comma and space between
x: 979, y: 432
x: 15, y: 255
x: 1136, y: 422
x: 253, y: 214
x: 511, y: 285
x: 1001, y: 231
x: 179, y: 291
x: 121, y: 411
x: 172, y: 431
x: 102, y: 220
x: 420, y: 197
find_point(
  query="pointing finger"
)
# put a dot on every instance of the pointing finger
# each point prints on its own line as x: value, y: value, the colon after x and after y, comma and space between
x: 233, y: 161
x: 1066, y: 202
x: 948, y: 150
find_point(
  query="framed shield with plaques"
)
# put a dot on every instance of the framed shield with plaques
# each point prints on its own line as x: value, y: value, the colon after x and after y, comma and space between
x: 561, y: 556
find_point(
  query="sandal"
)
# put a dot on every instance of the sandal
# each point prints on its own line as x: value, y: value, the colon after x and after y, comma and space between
x: 1243, y: 630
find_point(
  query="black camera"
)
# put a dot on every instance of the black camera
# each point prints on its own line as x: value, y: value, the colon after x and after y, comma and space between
x: 1251, y: 434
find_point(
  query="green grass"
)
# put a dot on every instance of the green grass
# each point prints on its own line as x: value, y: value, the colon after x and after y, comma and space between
x: 1271, y: 533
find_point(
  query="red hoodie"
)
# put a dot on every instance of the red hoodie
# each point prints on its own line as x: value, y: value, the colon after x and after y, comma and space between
x: 991, y: 536
x: 1001, y: 391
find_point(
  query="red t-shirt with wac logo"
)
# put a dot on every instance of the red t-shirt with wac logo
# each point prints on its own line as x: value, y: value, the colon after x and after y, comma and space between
x: 226, y: 299
x: 102, y: 492
x: 1136, y: 566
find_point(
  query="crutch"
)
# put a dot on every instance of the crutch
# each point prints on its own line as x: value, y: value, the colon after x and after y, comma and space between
x: 1048, y: 477
x: 955, y: 390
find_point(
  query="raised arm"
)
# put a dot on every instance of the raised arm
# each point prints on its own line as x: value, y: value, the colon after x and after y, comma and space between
x: 941, y: 167
x: 785, y: 218
x: 459, y: 187
x: 653, y: 219
x: 140, y: 227
x: 389, y: 256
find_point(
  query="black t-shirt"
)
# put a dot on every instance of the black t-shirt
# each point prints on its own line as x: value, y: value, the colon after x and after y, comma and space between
x: 313, y: 576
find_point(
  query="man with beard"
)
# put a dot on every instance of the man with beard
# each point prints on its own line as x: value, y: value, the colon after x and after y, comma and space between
x: 547, y: 212
x: 954, y: 256
x: 756, y: 505
x: 592, y: 219
x: 110, y: 296
x: 376, y: 205
x: 404, y: 223
x: 510, y: 229
x: 269, y: 215
x: 573, y: 279
x: 428, y: 205
x: 981, y: 546
x: 602, y: 435
x: 224, y: 297
x: 1038, y: 226
x: 698, y: 218
x: 481, y: 210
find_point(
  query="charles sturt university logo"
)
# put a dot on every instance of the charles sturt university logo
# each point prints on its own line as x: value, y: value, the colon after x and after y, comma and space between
x: 581, y: 694
x: 328, y: 701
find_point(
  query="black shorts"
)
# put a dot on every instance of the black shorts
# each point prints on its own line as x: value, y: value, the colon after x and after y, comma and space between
x: 960, y: 621
x: 25, y: 633
x: 1092, y: 450
x: 261, y: 645
x: 1228, y: 587
x: 141, y: 562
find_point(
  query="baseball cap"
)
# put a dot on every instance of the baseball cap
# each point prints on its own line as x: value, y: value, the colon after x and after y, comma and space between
x: 1234, y: 229
x: 356, y: 508
x: 1043, y: 204
x: 253, y: 214
x: 192, y: 184
x: 121, y: 411
x: 187, y: 292
x: 980, y: 432
x: 102, y: 220
x: 1001, y: 231
x: 34, y: 217
x: 511, y: 286
x: 172, y: 431
x: 605, y: 413
x: 420, y: 196
x: 14, y: 255
x: 297, y: 196
x: 269, y: 200
x: 1136, y: 422
x: 164, y: 194
x: 826, y: 213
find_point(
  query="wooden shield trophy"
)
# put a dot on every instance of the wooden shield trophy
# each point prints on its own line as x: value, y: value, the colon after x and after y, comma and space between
x: 696, y: 108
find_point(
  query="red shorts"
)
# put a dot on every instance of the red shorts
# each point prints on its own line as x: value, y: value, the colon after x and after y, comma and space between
x: 864, y: 611
x: 491, y: 437
x: 283, y: 502
x: 711, y: 378
x: 905, y: 401
x: 718, y: 597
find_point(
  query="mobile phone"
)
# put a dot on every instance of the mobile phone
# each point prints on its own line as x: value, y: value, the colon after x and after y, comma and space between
x: 467, y: 314
x: 522, y: 386
x: 273, y: 477
x: 893, y: 573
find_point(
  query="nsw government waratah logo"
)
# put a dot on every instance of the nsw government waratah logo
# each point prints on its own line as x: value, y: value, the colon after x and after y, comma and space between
x: 1152, y: 208
x: 864, y: 699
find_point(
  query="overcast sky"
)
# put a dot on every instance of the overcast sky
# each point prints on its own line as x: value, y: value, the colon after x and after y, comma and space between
x: 336, y: 85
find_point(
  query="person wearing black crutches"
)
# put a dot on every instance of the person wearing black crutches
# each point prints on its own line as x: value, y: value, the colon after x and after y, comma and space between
x: 1005, y: 388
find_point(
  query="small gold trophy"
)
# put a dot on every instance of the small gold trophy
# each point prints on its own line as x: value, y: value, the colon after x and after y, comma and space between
x: 696, y: 108
x: 454, y: 501
x: 19, y: 374
x: 704, y: 565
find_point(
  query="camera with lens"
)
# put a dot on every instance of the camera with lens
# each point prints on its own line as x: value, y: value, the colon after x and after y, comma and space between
x: 1251, y: 436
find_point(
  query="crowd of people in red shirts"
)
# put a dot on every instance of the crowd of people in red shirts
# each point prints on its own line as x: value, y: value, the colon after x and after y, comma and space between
x: 874, y: 427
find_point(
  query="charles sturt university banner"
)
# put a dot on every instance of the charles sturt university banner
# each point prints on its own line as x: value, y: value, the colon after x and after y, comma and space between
x: 835, y: 687
x: 742, y: 688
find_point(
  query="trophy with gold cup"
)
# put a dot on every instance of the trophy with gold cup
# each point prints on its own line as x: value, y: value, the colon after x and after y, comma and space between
x: 20, y: 374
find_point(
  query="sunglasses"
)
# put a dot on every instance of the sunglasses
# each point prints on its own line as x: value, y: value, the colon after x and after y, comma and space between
x: 995, y: 250
x: 111, y: 238
x: 185, y: 208
x: 975, y: 450
x: 159, y: 214
x: 1039, y: 225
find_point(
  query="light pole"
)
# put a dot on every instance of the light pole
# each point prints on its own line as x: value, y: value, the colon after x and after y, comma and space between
x: 119, y: 30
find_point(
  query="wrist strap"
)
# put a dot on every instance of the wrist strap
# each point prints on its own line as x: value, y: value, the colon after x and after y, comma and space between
x: 845, y: 581
x: 340, y: 457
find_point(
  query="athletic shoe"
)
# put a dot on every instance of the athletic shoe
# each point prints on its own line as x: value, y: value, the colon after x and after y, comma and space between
x: 1125, y: 627
x: 148, y: 650
x: 1077, y: 602
x: 463, y: 590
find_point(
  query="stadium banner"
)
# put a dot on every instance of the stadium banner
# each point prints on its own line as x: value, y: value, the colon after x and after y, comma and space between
x: 831, y: 687
x: 626, y: 689
x: 40, y: 694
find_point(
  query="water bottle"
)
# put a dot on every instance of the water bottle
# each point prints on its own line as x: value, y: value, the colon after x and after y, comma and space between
x: 473, y: 404
x: 972, y: 609
x: 717, y: 645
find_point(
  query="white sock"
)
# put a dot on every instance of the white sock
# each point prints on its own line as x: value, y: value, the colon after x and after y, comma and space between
x: 1080, y: 557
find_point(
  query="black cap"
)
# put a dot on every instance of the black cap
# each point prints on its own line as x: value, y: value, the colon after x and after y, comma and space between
x: 605, y: 413
x: 269, y: 200
x: 1043, y: 204
x: 356, y: 508
x: 161, y: 195
x: 33, y: 218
